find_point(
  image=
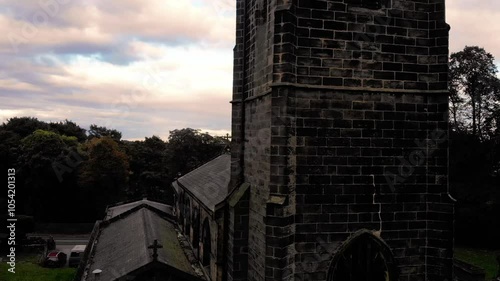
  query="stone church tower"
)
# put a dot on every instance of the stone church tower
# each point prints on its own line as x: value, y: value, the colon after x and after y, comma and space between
x: 339, y: 153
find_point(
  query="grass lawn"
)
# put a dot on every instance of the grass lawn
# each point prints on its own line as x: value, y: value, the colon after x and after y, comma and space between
x: 28, y: 270
x: 485, y: 259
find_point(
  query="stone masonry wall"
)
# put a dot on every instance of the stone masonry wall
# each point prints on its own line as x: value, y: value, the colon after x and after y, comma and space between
x: 257, y: 173
x: 252, y: 69
x: 340, y: 124
x: 351, y: 145
x: 251, y: 126
x: 403, y: 45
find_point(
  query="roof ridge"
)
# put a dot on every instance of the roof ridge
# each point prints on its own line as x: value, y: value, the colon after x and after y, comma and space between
x: 145, y: 222
x: 130, y: 201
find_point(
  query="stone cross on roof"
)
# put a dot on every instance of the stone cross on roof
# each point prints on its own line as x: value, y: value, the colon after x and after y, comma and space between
x: 155, y: 248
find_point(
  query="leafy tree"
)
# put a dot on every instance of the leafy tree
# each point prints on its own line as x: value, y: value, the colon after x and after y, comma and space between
x: 188, y: 148
x: 97, y: 132
x: 456, y: 101
x: 48, y: 157
x: 57, y: 163
x: 42, y: 141
x: 136, y: 163
x: 69, y: 128
x: 475, y: 146
x: 45, y: 192
x: 149, y: 176
x: 9, y: 149
x: 154, y: 152
x: 474, y: 90
x: 104, y: 176
x: 24, y: 126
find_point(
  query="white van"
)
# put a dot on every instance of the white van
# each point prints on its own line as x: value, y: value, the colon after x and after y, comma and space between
x: 75, y: 255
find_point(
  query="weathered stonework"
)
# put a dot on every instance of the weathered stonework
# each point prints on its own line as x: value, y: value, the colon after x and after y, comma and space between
x: 340, y: 125
x: 193, y: 217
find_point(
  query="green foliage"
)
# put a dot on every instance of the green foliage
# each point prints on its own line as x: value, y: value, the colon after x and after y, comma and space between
x: 105, y: 156
x: 44, y: 192
x: 485, y: 259
x: 43, y: 148
x: 9, y: 149
x: 149, y: 173
x: 474, y: 89
x: 156, y: 163
x: 69, y: 128
x: 188, y: 148
x: 24, y: 126
x: 104, y: 176
x: 30, y: 271
x: 42, y: 141
x: 64, y: 176
x: 70, y: 141
x: 98, y: 132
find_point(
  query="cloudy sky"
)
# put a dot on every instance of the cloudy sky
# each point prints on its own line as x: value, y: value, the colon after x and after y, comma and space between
x: 146, y: 67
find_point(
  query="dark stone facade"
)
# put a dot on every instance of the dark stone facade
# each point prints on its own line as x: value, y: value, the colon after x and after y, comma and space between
x: 340, y: 114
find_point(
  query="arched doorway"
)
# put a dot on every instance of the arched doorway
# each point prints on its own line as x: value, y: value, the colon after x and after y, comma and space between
x: 363, y: 257
x: 207, y: 244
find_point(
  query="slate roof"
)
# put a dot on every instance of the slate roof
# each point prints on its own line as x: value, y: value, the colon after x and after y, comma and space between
x: 209, y: 183
x: 122, y: 246
x: 117, y: 210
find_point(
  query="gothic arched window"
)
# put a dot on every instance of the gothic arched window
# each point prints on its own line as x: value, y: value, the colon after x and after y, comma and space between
x: 363, y: 257
x: 187, y: 215
x: 181, y: 208
x: 196, y: 228
x: 181, y: 201
x: 207, y: 243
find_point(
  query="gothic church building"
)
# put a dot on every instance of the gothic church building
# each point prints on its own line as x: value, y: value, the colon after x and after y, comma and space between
x: 338, y: 164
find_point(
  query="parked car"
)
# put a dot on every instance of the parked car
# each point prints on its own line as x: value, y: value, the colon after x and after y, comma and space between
x: 55, y: 259
x: 75, y: 255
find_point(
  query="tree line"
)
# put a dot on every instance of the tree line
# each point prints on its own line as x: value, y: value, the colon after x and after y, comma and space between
x: 475, y: 146
x: 65, y: 173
